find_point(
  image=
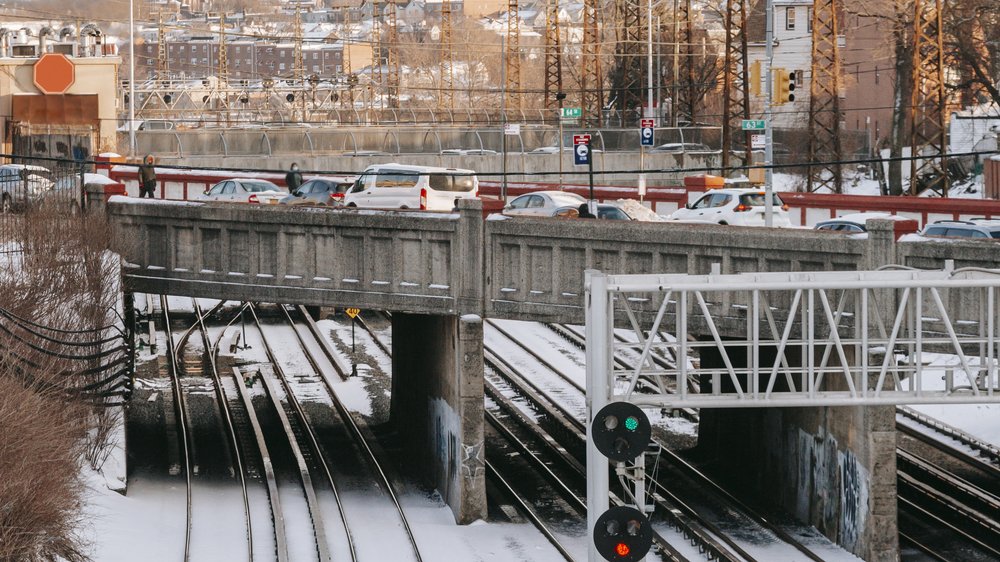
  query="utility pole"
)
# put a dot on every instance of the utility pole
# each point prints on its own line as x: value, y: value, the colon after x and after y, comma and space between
x: 769, y: 130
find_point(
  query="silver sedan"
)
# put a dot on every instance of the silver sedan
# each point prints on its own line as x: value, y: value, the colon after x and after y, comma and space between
x: 542, y: 203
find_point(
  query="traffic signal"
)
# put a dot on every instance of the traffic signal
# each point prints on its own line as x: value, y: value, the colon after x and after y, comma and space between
x: 784, y: 86
x: 621, y: 431
x: 755, y: 78
x: 623, y: 533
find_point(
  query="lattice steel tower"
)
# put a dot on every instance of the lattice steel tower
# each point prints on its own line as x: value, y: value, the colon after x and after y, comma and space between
x: 553, y: 54
x: 627, y: 82
x: 687, y: 92
x: 299, y: 71
x: 223, y: 71
x: 736, y: 102
x: 824, y: 99
x: 591, y: 77
x: 928, y: 111
x: 376, y: 84
x: 392, y: 57
x: 446, y: 85
x: 162, y: 60
x: 512, y: 84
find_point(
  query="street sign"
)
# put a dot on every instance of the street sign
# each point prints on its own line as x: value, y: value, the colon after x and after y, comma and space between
x: 646, y: 136
x: 512, y: 129
x: 581, y: 139
x: 754, y: 124
x: 572, y: 113
x: 647, y: 123
x: 353, y: 312
x: 581, y: 155
x: 757, y: 141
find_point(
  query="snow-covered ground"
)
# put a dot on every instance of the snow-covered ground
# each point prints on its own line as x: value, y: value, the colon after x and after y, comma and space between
x: 150, y: 521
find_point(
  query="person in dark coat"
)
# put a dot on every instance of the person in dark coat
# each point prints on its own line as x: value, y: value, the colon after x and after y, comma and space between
x: 147, y: 177
x: 584, y: 211
x: 293, y: 179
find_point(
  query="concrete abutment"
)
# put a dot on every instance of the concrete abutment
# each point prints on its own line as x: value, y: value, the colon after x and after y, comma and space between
x: 437, y: 405
x: 830, y: 467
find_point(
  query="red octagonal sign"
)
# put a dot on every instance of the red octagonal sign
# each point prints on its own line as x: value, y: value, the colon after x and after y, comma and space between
x: 54, y: 73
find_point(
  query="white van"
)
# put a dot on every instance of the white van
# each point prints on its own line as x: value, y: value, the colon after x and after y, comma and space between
x: 399, y: 186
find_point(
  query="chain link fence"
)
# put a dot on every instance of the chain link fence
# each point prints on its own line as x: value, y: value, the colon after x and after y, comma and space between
x: 31, y: 185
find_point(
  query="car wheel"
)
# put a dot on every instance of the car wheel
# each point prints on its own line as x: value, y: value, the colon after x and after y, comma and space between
x: 724, y: 223
x: 404, y: 207
x: 7, y: 205
x: 352, y: 206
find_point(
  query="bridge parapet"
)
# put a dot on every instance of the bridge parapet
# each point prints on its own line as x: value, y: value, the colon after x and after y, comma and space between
x: 535, y: 266
x: 413, y: 262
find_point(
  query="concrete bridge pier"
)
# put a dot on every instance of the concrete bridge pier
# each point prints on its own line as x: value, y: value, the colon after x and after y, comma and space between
x: 832, y: 467
x: 437, y: 405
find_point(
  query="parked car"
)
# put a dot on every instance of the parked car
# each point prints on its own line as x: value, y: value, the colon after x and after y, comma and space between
x: 21, y: 185
x: 468, y: 151
x: 399, y: 186
x: 681, y: 147
x: 735, y: 206
x: 542, y: 203
x: 852, y: 223
x: 975, y: 228
x: 555, y: 149
x: 244, y: 190
x: 604, y: 211
x: 318, y: 191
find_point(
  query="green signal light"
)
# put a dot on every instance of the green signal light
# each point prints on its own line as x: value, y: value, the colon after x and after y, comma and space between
x: 631, y: 423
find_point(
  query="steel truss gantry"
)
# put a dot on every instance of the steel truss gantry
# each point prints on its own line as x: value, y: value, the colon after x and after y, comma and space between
x: 824, y: 99
x: 826, y: 331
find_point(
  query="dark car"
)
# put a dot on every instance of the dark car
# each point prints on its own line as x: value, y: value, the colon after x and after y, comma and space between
x: 318, y: 192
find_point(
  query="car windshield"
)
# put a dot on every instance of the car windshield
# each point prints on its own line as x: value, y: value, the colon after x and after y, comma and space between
x: 451, y: 182
x: 758, y: 199
x: 258, y: 186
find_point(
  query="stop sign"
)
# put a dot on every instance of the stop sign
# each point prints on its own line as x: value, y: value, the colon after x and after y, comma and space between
x: 54, y: 73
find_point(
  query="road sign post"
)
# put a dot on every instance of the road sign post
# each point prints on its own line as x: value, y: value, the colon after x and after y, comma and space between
x: 353, y: 313
x: 581, y: 150
x: 646, y: 132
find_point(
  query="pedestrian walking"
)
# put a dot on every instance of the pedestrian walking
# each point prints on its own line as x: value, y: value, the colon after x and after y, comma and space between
x: 147, y: 177
x: 584, y: 211
x: 293, y: 179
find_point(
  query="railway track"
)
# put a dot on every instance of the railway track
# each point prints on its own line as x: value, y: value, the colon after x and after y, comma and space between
x: 323, y: 361
x: 724, y: 503
x: 941, y: 512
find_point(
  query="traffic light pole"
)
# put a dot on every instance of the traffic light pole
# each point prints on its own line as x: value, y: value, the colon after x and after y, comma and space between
x: 598, y: 365
x: 768, y: 103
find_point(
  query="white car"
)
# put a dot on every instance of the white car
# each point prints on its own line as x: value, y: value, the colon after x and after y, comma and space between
x: 21, y: 185
x: 542, y: 203
x: 400, y: 186
x: 243, y: 190
x: 735, y: 206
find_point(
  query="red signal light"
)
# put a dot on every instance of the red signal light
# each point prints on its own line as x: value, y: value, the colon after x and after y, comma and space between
x: 622, y: 549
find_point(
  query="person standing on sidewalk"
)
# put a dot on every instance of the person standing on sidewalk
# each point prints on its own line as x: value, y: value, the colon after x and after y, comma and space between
x: 147, y: 177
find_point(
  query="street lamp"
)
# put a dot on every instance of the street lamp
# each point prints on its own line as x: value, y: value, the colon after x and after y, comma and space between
x: 131, y: 77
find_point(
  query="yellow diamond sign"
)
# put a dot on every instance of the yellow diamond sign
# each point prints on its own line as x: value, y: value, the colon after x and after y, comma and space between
x: 353, y: 312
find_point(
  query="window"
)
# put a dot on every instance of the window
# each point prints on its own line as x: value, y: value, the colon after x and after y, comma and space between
x: 281, y: 66
x: 809, y: 19
x: 721, y: 199
x: 229, y: 188
x: 448, y: 182
x: 790, y: 19
x: 612, y: 213
x: 390, y: 178
x: 703, y: 203
x: 521, y: 202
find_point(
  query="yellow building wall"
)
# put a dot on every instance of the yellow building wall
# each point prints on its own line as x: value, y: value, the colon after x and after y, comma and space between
x: 97, y: 75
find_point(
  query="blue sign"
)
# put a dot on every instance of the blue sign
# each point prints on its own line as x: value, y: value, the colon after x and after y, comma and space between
x: 646, y: 136
x: 581, y: 155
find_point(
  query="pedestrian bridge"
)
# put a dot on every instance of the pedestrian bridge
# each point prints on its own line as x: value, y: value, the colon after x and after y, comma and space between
x: 459, y: 263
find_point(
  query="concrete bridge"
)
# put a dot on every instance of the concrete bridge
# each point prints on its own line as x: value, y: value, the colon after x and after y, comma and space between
x: 441, y: 273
